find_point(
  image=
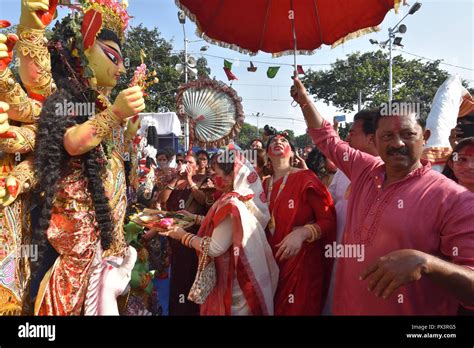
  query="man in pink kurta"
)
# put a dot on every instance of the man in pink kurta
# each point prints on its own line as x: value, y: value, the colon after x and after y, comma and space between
x: 423, y: 211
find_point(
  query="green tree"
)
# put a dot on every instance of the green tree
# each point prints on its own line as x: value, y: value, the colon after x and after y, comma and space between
x: 159, y: 57
x: 303, y: 140
x: 343, y: 130
x: 246, y: 135
x: 413, y: 80
x: 291, y: 135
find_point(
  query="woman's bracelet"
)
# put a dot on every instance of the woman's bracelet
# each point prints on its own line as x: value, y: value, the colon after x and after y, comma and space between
x: 190, y: 243
x: 198, y: 219
x: 104, y: 122
x: 315, y: 232
x: 185, y: 239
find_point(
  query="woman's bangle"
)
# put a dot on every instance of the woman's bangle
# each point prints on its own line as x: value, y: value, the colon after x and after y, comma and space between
x: 170, y: 187
x: 185, y: 238
x: 190, y: 243
x: 315, y: 232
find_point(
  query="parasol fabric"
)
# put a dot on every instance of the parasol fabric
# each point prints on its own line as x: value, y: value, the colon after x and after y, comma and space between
x: 250, y: 26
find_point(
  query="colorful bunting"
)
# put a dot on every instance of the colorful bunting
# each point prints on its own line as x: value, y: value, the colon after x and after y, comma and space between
x: 227, y: 64
x: 272, y: 71
x: 227, y: 69
x: 299, y: 69
x: 252, y: 68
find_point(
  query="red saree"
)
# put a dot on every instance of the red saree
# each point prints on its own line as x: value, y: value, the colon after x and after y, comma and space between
x: 304, y: 278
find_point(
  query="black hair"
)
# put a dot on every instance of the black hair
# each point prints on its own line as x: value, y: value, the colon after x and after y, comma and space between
x: 256, y: 139
x: 170, y: 151
x: 367, y: 118
x: 316, y: 161
x: 163, y: 153
x: 51, y: 158
x: 283, y: 134
x: 202, y: 152
x: 447, y: 171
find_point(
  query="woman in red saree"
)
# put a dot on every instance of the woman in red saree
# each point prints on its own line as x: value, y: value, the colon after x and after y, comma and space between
x: 246, y: 271
x: 303, y: 221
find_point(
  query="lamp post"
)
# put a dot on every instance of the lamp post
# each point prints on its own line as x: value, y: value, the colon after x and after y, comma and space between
x: 257, y: 115
x: 397, y: 41
x: 182, y: 20
x: 186, y: 66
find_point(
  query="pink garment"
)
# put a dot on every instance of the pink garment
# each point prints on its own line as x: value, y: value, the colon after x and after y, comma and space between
x: 424, y: 211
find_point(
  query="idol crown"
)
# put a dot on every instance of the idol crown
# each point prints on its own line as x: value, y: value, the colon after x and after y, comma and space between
x: 114, y: 14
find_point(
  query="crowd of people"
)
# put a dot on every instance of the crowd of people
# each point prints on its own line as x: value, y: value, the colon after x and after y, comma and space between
x: 361, y: 226
x: 356, y: 227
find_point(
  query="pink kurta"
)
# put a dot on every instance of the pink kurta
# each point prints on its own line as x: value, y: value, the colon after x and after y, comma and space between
x: 424, y: 211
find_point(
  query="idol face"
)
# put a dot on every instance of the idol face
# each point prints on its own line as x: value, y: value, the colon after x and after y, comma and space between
x: 105, y: 59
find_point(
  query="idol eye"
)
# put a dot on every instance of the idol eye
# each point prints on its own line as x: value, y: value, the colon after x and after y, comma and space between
x: 111, y: 57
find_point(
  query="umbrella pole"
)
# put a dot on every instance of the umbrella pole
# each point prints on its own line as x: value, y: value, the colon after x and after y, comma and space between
x: 294, y: 35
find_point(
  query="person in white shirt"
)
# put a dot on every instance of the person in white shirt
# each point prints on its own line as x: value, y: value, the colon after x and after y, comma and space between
x: 360, y: 137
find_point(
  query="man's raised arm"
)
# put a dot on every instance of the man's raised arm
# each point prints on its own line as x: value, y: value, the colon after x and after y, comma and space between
x: 346, y: 158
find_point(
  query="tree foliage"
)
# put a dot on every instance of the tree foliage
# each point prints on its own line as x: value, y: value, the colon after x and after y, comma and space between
x: 247, y: 134
x: 159, y: 57
x: 413, y: 80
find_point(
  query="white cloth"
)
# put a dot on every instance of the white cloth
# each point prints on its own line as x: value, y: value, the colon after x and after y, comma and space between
x: 254, y: 214
x: 340, y: 195
x: 444, y: 112
x: 164, y: 122
x: 221, y: 241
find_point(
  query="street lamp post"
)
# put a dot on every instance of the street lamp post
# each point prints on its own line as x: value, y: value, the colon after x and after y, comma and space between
x: 391, y: 35
x: 182, y: 20
x: 392, y: 40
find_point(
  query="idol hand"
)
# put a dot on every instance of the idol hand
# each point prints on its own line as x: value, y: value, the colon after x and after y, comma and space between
x: 129, y: 102
x: 37, y: 14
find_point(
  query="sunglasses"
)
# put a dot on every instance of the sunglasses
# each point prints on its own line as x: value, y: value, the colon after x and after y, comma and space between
x: 112, y: 54
x: 180, y: 161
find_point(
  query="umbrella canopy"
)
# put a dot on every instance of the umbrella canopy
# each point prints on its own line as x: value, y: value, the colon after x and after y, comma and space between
x: 250, y: 26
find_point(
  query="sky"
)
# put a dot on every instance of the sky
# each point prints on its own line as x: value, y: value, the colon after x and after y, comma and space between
x: 439, y: 30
